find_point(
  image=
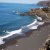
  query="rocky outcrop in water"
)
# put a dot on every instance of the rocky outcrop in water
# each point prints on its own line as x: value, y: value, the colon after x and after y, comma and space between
x: 41, y: 12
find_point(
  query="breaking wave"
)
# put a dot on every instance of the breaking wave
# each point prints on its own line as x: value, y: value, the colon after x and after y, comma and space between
x: 34, y: 25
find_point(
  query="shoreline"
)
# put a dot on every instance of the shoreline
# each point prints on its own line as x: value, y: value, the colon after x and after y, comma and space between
x: 20, y: 36
x: 13, y: 42
x: 22, y: 31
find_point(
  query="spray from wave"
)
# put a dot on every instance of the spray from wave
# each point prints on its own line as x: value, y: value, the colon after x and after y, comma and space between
x: 33, y: 25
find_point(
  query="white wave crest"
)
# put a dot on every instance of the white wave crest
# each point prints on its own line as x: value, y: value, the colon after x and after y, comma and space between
x: 39, y: 18
x: 33, y: 25
x: 1, y: 41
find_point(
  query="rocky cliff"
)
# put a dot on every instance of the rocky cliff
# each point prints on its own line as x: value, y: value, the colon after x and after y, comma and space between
x: 44, y: 3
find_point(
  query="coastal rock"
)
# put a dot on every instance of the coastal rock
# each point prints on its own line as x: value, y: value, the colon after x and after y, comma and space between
x: 41, y: 12
x: 44, y: 3
x: 38, y: 11
x: 46, y: 44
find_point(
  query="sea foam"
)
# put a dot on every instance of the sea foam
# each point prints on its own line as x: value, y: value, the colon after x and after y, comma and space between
x: 31, y: 26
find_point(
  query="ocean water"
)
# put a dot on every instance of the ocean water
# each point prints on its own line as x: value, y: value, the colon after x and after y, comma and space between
x: 10, y: 21
x: 12, y: 24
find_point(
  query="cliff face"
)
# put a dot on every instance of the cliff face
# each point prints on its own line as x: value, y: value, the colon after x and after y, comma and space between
x: 44, y: 3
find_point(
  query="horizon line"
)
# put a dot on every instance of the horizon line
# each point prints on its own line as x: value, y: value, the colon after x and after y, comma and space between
x: 18, y: 2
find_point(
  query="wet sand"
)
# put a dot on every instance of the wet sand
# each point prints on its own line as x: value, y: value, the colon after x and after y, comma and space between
x: 33, y: 41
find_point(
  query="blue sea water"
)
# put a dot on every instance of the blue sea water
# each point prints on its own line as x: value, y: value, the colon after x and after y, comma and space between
x: 9, y: 20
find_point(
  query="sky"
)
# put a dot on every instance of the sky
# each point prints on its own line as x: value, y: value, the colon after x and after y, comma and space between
x: 20, y: 1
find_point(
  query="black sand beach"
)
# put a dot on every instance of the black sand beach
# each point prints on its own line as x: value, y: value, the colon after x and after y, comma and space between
x: 33, y: 41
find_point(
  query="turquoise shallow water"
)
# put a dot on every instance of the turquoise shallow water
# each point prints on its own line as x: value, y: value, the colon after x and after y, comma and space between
x: 10, y: 21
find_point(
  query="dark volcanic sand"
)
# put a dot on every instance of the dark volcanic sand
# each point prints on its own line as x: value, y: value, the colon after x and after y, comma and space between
x: 33, y: 41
